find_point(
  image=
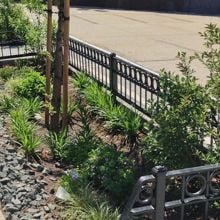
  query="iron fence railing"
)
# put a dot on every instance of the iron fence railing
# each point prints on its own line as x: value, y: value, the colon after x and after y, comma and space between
x: 134, y: 84
x: 14, y: 51
x: 195, y: 194
x: 13, y: 47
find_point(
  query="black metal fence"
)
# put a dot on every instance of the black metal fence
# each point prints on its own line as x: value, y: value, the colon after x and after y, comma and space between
x: 9, y: 52
x: 134, y: 84
x: 196, y: 195
x: 12, y: 47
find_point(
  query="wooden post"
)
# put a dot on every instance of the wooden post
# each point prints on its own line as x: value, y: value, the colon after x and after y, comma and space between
x: 57, y: 75
x: 48, y: 63
x: 66, y: 62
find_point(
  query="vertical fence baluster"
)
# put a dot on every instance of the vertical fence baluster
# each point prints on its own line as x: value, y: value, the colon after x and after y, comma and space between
x: 113, y: 74
x: 160, y: 174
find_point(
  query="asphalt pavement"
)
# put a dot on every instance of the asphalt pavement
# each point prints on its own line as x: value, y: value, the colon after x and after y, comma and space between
x: 150, y: 39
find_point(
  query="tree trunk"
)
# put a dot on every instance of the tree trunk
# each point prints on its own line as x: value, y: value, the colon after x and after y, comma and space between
x: 57, y: 77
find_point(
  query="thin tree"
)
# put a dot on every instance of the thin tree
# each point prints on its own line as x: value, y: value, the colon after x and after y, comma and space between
x: 48, y: 62
x: 66, y: 62
x: 57, y: 76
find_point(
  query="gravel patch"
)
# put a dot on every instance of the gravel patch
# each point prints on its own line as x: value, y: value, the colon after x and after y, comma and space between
x: 23, y: 185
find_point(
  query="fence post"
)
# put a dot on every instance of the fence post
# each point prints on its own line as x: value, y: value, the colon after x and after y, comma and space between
x: 113, y: 75
x: 160, y: 174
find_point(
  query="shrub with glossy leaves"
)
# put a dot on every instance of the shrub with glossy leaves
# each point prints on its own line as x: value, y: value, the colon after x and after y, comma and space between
x: 111, y: 171
x: 30, y: 85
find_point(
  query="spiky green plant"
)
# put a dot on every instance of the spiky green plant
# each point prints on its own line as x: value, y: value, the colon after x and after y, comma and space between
x: 24, y: 131
x: 87, y: 204
x: 60, y: 144
x: 81, y: 80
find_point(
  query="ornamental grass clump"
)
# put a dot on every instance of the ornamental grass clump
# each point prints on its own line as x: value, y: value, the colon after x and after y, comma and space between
x: 86, y: 203
x: 103, y: 104
x: 24, y: 131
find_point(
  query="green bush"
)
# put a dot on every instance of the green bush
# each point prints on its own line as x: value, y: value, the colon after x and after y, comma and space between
x: 7, y: 72
x: 111, y: 171
x: 30, y: 85
x: 179, y: 120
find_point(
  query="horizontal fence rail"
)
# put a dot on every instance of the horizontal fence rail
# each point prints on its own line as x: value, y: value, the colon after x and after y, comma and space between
x: 13, y: 47
x: 134, y: 84
x: 195, y: 194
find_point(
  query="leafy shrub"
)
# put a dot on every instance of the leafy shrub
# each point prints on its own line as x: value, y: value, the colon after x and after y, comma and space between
x: 24, y: 131
x: 31, y: 85
x: 179, y: 126
x: 110, y: 170
x: 210, y: 58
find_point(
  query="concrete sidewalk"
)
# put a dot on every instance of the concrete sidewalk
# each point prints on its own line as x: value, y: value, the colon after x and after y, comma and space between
x: 147, y: 38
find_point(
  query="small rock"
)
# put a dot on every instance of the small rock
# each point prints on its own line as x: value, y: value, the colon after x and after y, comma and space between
x: 11, y: 208
x: 31, y: 210
x: 14, y: 217
x: 46, y: 209
x: 3, y: 174
x: 11, y: 149
x: 38, y: 198
x: 62, y: 194
x: 9, y: 158
x: 51, y: 206
x: 40, y: 168
x: 53, y: 178
x: 45, y: 172
x: 4, y: 180
x: 58, y: 165
x: 37, y: 215
x: 31, y: 172
x: 16, y: 201
x: 52, y: 191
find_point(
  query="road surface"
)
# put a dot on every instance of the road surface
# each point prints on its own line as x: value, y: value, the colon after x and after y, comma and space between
x: 150, y: 39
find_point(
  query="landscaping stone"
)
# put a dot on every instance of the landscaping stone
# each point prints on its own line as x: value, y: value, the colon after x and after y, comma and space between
x: 22, y: 192
x: 62, y: 194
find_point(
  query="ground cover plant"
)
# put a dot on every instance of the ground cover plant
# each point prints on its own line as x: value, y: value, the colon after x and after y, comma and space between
x: 116, y: 117
x: 85, y: 203
x: 22, y: 102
